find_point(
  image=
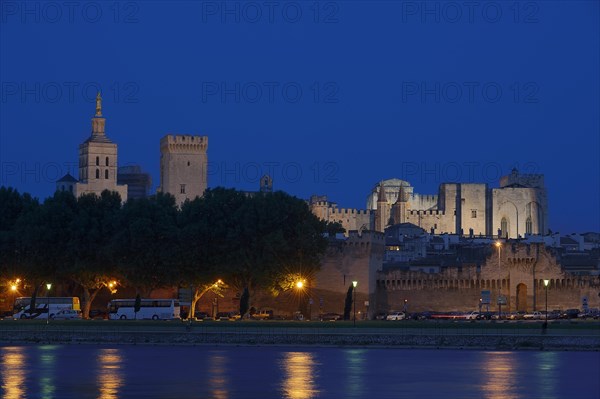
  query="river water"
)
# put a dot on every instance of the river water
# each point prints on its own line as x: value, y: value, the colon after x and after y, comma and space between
x: 227, y: 372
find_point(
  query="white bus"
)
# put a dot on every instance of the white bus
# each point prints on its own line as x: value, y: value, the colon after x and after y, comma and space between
x: 21, y: 308
x: 155, y: 309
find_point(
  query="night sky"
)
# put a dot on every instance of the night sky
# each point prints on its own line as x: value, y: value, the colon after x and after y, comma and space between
x: 327, y: 97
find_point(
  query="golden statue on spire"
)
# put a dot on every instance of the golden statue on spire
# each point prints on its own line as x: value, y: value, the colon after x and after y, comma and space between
x: 98, y: 105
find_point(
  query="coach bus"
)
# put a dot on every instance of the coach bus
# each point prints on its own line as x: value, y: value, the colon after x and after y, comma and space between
x: 45, y: 307
x: 154, y: 309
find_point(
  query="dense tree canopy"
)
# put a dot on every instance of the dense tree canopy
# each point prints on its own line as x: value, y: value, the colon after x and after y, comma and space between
x: 249, y: 241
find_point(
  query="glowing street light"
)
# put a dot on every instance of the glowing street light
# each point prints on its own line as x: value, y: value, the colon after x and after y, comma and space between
x: 499, y: 246
x: 546, y: 282
x: 354, y: 284
x: 48, y: 286
x: 299, y: 284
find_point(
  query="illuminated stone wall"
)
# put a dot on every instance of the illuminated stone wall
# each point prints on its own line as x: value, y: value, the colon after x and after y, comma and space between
x: 521, y: 270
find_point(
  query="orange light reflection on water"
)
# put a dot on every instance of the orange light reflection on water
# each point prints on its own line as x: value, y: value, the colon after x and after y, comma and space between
x: 500, y: 376
x: 110, y: 378
x: 217, y: 376
x: 299, y: 376
x: 13, y: 372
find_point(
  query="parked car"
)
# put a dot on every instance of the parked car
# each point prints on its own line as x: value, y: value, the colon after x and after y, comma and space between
x: 591, y: 313
x: 533, y: 316
x: 503, y: 316
x: 396, y: 316
x: 381, y: 316
x: 66, y: 314
x: 472, y: 316
x: 485, y: 316
x: 224, y: 316
x: 331, y: 317
x: 570, y: 314
x: 520, y: 315
x: 554, y: 314
x: 423, y: 315
x: 264, y: 314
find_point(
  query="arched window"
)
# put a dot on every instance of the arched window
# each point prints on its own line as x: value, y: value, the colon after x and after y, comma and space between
x: 106, y: 161
x: 97, y: 161
x: 97, y: 173
x: 504, y: 227
x: 106, y: 174
x: 528, y: 226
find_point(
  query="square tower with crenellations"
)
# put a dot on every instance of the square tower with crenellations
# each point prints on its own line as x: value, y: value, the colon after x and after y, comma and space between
x: 183, y: 166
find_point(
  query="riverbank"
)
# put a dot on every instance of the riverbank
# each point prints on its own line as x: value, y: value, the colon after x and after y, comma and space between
x: 440, y: 335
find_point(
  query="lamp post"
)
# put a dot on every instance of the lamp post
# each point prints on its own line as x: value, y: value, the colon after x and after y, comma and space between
x: 498, y: 245
x: 48, y: 286
x: 354, y: 284
x: 546, y: 282
x: 300, y: 287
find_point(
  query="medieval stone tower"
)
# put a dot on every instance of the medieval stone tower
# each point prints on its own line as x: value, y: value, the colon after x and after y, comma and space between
x: 97, y: 162
x: 183, y: 166
x: 400, y: 207
x: 382, y: 217
x: 520, y: 205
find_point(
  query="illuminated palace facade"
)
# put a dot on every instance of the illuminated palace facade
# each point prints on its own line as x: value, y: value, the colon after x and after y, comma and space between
x: 515, y: 209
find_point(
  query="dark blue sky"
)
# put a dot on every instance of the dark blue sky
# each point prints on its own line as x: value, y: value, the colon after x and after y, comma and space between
x: 331, y: 97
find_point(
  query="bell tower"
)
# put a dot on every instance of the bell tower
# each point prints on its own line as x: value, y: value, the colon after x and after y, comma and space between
x: 98, y: 160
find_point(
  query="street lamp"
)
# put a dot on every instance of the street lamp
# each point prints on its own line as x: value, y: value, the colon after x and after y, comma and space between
x: 354, y: 284
x: 498, y: 245
x: 48, y: 286
x: 546, y: 282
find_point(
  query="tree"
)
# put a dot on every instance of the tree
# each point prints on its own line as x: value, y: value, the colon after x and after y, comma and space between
x: 144, y: 246
x: 274, y: 235
x: 43, y: 235
x: 244, y: 303
x: 93, y: 227
x: 12, y: 207
x: 348, y: 302
x: 203, y: 241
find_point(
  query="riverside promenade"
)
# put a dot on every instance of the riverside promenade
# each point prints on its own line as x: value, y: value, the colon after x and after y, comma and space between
x: 559, y: 335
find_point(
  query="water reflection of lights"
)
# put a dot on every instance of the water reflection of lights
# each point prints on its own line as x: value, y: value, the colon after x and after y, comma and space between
x: 47, y: 360
x: 547, y: 373
x: 499, y: 370
x: 110, y: 377
x: 217, y: 378
x: 13, y: 372
x: 299, y: 381
x: 355, y: 365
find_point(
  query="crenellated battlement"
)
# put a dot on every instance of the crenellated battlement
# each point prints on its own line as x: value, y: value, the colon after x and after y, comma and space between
x: 348, y: 211
x: 184, y: 143
x: 432, y: 212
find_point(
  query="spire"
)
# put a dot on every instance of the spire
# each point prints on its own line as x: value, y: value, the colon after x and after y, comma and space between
x: 381, y: 194
x: 401, y: 195
x: 98, y: 122
x: 98, y: 104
